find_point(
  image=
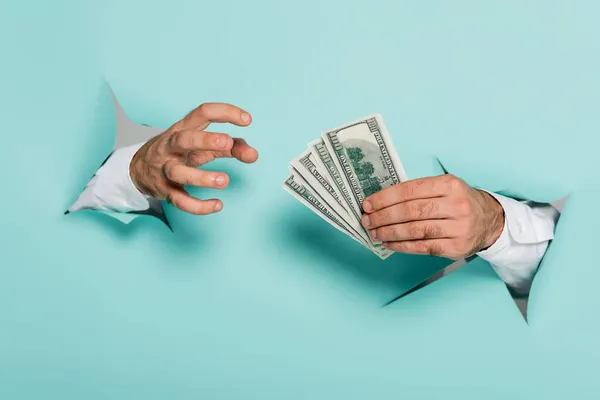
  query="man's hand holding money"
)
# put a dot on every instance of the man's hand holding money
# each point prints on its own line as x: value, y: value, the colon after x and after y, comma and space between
x: 440, y: 216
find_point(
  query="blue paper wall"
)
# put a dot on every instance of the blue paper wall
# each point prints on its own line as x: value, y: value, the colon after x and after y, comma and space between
x: 264, y: 300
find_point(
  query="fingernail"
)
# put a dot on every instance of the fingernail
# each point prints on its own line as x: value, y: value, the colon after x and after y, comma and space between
x: 366, y: 221
x: 220, y: 180
x: 245, y: 117
x: 221, y: 141
x: 218, y: 206
x: 385, y: 244
x: 367, y: 206
x: 373, y: 233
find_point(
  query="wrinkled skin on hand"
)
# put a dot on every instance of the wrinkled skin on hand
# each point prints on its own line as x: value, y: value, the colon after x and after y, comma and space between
x: 439, y: 216
x: 163, y: 165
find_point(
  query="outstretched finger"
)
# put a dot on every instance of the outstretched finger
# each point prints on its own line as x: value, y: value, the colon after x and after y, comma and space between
x: 183, y: 201
x: 240, y: 150
x: 188, y: 140
x: 207, y: 113
x: 179, y: 173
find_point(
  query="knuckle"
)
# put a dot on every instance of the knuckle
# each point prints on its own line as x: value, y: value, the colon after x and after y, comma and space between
x: 385, y: 233
x: 425, y: 208
x: 462, y: 207
x: 181, y: 140
x: 186, y: 141
x: 432, y: 231
x: 415, y: 231
x: 156, y: 148
x: 411, y: 210
x: 174, y: 173
x: 421, y: 247
x: 377, y: 201
x: 453, y: 183
x: 168, y: 170
x: 396, y: 246
x: 202, y: 108
x: 396, y: 234
x: 382, y: 217
x: 435, y: 249
x: 175, y: 139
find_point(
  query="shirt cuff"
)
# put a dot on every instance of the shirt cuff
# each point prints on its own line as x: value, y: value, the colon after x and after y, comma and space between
x: 516, y: 255
x: 111, y: 188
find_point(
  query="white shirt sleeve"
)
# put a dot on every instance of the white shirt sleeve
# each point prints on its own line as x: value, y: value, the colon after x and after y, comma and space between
x: 528, y: 229
x: 111, y: 188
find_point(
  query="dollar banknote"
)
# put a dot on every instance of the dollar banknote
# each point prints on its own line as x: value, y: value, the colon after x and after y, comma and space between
x: 342, y: 168
x: 306, y: 166
x: 324, y: 160
x: 302, y: 191
x: 364, y: 155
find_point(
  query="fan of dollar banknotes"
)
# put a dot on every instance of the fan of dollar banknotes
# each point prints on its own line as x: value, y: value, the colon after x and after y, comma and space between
x: 342, y: 168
